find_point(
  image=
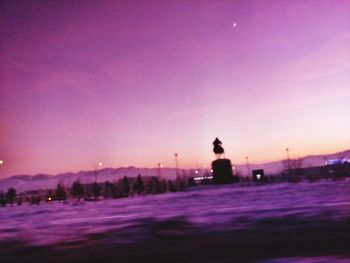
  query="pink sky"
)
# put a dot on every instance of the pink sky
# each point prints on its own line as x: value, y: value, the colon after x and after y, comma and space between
x: 133, y: 82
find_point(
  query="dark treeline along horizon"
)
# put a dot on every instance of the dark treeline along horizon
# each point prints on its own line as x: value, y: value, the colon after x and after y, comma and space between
x: 148, y: 185
x: 125, y: 187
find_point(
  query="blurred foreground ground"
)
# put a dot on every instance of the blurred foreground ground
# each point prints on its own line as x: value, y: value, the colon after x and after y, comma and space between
x: 304, y: 222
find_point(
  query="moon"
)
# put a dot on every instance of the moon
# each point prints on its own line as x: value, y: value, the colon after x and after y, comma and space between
x: 234, y: 24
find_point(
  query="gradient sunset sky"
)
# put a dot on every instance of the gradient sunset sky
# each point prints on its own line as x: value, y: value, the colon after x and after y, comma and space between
x: 133, y: 82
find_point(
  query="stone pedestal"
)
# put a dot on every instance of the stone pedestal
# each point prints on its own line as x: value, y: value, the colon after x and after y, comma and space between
x: 222, y: 171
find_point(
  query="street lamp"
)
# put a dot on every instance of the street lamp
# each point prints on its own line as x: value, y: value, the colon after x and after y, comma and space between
x: 233, y: 169
x: 248, y: 165
x: 288, y: 161
x: 1, y: 162
x: 98, y: 165
x: 176, y: 164
x: 160, y: 166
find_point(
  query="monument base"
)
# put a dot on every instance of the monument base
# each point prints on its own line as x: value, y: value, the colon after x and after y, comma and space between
x: 222, y: 171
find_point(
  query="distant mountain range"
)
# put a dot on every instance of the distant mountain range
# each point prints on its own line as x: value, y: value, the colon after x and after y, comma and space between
x: 307, y: 161
x: 45, y: 181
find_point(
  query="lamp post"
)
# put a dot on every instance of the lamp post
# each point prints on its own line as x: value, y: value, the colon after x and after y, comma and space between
x: 234, y: 169
x: 96, y: 167
x: 176, y: 164
x: 288, y: 160
x: 248, y: 165
x: 160, y: 166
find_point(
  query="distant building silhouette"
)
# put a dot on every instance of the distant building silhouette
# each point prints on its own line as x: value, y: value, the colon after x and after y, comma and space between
x: 258, y: 175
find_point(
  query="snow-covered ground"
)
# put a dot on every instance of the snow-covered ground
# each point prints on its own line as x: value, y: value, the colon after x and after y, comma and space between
x: 201, y: 209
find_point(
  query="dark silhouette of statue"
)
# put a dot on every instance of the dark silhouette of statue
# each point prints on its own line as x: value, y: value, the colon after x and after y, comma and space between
x: 222, y: 168
x: 217, y: 147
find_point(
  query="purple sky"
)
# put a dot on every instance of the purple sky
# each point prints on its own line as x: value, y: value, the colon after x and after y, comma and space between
x: 133, y: 82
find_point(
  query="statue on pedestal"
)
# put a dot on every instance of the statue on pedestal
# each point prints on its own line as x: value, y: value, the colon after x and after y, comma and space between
x: 222, y: 167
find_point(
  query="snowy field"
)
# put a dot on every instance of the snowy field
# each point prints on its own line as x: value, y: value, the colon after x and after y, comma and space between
x: 304, y: 222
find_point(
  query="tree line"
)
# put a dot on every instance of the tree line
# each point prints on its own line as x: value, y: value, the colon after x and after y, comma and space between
x: 125, y: 187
